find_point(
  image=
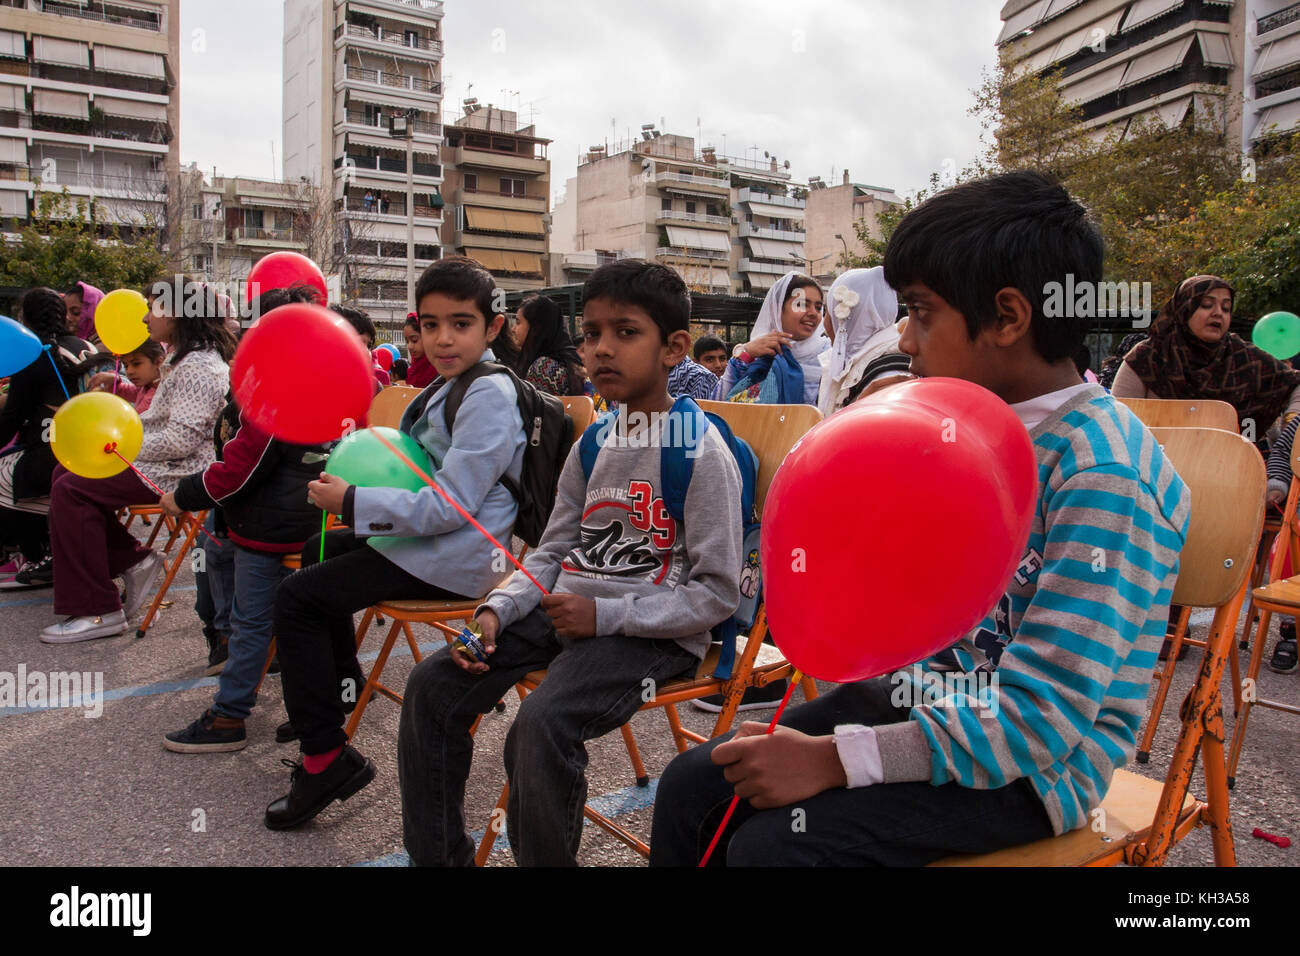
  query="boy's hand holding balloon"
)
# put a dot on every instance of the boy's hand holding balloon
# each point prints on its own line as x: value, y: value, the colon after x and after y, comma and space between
x: 573, y: 616
x: 781, y: 768
x: 328, y: 493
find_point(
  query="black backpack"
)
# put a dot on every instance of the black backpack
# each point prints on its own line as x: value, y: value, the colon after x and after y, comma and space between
x: 549, y: 432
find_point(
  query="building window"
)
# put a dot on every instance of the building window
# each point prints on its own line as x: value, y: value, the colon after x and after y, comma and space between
x: 666, y: 204
x: 690, y: 206
x: 512, y: 187
x: 471, y: 182
x: 196, y: 211
x: 713, y: 209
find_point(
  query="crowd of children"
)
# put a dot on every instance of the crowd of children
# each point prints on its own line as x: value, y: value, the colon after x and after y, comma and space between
x: 619, y: 591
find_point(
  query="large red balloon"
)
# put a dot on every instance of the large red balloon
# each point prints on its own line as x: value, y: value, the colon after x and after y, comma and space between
x: 301, y: 375
x: 283, y: 269
x: 894, y: 526
x: 383, y: 358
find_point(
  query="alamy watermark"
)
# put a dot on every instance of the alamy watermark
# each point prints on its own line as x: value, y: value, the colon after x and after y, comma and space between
x: 1089, y: 300
x: 669, y: 429
x: 38, y: 690
x: 918, y: 687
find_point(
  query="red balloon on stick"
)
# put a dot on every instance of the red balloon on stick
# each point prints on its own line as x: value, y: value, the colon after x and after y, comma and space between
x: 894, y: 526
x: 299, y: 401
x: 383, y: 358
x: 281, y: 270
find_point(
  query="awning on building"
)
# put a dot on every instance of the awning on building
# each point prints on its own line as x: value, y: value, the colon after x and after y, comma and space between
x: 1155, y: 62
x: 504, y: 220
x: 1094, y: 34
x: 13, y: 204
x: 1278, y: 56
x: 1286, y: 116
x: 774, y: 249
x: 684, y: 238
x: 525, y: 262
x: 775, y: 212
x: 13, y: 150
x: 1171, y: 114
x: 13, y: 45
x: 60, y: 103
x: 1018, y: 23
x: 132, y: 109
x: 1096, y: 86
x: 12, y: 98
x: 1144, y: 11
x: 1215, y: 50
x: 129, y: 62
x: 490, y: 259
x: 60, y: 52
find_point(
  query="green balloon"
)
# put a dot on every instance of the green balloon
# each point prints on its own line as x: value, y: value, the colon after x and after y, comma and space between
x: 1278, y: 334
x: 361, y: 459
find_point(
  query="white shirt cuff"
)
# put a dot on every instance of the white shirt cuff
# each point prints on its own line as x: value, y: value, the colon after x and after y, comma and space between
x: 859, y: 753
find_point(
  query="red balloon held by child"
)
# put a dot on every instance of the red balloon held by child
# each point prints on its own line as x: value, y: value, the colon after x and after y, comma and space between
x: 383, y: 358
x: 894, y: 526
x: 296, y: 399
x: 283, y: 270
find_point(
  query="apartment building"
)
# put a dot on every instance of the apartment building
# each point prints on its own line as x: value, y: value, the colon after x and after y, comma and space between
x: 832, y: 212
x: 1235, y: 62
x: 726, y: 224
x: 89, y: 103
x: 353, y: 70
x: 498, y: 182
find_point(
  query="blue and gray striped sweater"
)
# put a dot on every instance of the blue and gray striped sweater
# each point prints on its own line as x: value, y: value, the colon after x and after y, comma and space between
x: 1075, y: 637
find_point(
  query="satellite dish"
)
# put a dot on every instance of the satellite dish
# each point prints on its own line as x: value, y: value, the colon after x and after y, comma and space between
x: 765, y: 155
x: 787, y: 164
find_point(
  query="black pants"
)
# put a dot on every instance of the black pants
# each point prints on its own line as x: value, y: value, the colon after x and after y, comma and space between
x: 895, y: 824
x: 315, y: 636
x: 30, y: 533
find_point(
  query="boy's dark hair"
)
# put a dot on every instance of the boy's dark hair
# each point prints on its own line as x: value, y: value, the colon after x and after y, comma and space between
x: 359, y: 320
x: 1082, y: 359
x: 709, y: 343
x: 1020, y: 230
x: 400, y: 369
x: 461, y: 278
x: 274, y: 298
x: 647, y: 285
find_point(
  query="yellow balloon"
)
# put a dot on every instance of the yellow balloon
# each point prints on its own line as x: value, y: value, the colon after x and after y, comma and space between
x: 119, y: 321
x: 87, y: 426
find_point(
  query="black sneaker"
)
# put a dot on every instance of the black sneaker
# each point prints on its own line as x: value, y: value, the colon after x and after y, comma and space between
x: 217, y: 656
x: 310, y: 793
x: 203, y: 736
x: 1284, y: 654
x: 285, y: 733
x: 755, y: 698
x: 38, y: 575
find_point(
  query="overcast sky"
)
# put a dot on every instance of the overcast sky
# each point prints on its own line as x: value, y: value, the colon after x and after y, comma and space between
x: 878, y: 86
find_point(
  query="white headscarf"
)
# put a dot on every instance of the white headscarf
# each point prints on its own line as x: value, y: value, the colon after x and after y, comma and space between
x: 807, y: 351
x: 864, y: 310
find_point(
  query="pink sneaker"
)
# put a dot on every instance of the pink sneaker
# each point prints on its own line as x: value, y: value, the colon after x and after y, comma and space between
x: 11, y: 567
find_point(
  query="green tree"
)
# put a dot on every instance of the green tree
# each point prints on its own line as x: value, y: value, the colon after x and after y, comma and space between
x: 64, y: 242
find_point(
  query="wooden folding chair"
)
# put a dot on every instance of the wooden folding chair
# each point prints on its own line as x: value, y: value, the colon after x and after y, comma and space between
x: 771, y: 430
x: 387, y: 408
x: 190, y: 523
x: 146, y: 512
x: 1140, y: 820
x: 438, y: 614
x: 1176, y: 413
x: 1279, y: 596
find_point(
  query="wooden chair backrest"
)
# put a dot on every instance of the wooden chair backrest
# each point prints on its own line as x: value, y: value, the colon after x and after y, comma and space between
x: 387, y: 408
x: 1226, y: 476
x: 771, y: 430
x: 1181, y: 413
x: 581, y: 410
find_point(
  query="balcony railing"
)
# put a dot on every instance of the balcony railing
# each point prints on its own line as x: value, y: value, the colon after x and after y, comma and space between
x: 714, y: 181
x: 394, y: 80
x: 680, y: 216
x: 380, y: 122
x: 1279, y: 19
x: 149, y: 189
x: 395, y: 39
x: 393, y: 207
x: 96, y: 11
x: 684, y: 253
x: 528, y: 194
x: 768, y: 232
x: 251, y: 234
x: 748, y: 194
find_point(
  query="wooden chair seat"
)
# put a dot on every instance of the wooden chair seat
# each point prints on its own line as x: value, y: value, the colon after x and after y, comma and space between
x: 1284, y: 595
x: 767, y: 659
x: 1127, y: 812
x: 414, y: 610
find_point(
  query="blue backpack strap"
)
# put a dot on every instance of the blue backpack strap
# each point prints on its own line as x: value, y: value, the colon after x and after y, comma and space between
x: 593, y: 440
x: 687, y: 424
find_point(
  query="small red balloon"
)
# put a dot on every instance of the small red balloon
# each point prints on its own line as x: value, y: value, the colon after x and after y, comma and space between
x: 281, y: 270
x: 301, y: 375
x: 894, y: 526
x: 383, y: 358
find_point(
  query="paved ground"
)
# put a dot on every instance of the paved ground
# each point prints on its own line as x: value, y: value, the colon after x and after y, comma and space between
x: 103, y: 791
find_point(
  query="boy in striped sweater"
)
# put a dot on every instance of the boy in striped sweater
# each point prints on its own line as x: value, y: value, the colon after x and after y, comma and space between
x: 1066, y: 654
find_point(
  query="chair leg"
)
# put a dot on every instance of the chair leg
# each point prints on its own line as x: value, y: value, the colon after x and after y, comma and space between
x: 1162, y: 690
x: 1247, y: 699
x: 364, y: 626
x: 638, y: 767
x: 679, y: 732
x: 1216, y: 790
x: 372, y: 681
x: 496, y: 823
x: 167, y: 580
x: 809, y: 687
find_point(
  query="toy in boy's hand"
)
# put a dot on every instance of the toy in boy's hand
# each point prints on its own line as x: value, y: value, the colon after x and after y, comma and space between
x: 894, y: 526
x: 283, y: 270
x: 1278, y: 334
x: 96, y: 435
x: 470, y: 642
x: 361, y: 459
x: 301, y: 375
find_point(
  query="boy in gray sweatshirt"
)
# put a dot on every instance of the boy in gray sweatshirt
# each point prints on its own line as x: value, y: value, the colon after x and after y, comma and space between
x: 633, y: 595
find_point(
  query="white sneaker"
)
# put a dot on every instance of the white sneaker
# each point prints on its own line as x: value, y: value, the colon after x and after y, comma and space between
x: 73, y: 630
x: 139, y: 581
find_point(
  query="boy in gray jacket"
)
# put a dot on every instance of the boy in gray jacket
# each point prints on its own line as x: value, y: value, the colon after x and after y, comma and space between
x: 633, y: 595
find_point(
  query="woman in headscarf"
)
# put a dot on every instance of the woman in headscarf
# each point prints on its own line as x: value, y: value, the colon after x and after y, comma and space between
x: 788, y: 331
x: 82, y: 300
x: 547, y: 358
x: 862, y: 323
x: 1191, y: 354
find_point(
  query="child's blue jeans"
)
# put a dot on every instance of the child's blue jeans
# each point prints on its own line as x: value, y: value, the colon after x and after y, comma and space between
x: 593, y: 685
x: 214, y: 584
x: 257, y: 574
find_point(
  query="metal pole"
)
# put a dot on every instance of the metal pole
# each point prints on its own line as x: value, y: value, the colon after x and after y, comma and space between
x: 410, y: 215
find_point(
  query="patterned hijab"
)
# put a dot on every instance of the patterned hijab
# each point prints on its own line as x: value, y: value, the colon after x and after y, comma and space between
x: 1174, y: 363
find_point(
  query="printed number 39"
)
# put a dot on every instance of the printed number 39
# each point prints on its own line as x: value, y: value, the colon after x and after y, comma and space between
x: 649, y: 514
